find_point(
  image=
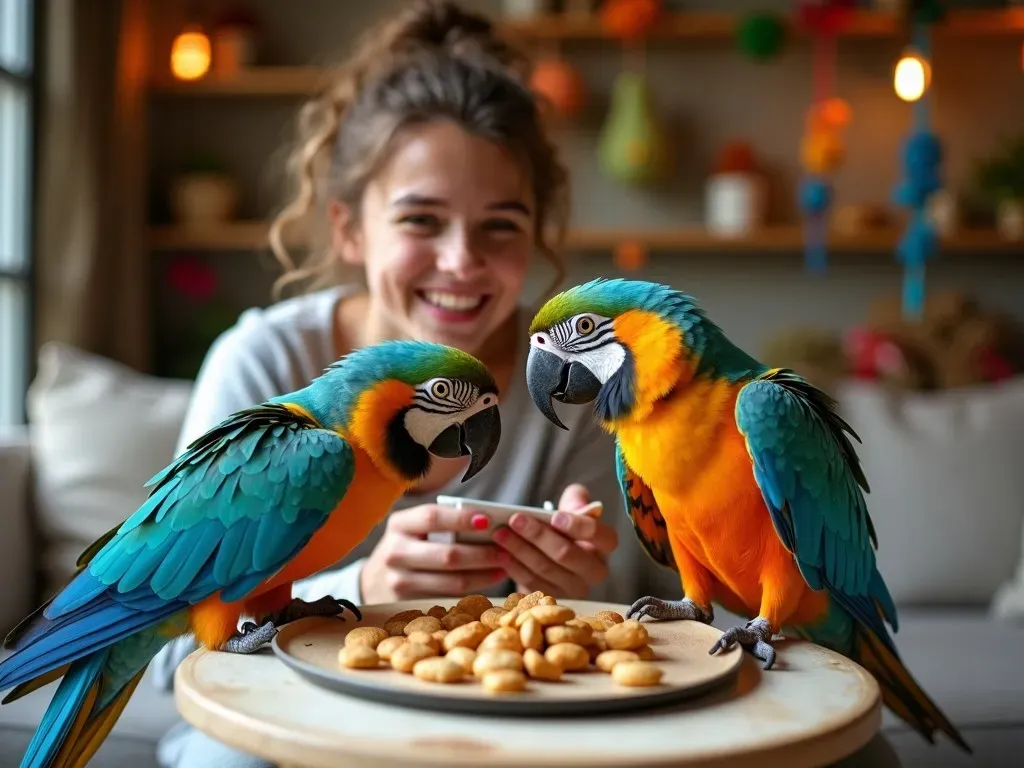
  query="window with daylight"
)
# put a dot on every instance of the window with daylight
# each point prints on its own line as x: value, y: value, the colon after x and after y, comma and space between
x: 16, y: 195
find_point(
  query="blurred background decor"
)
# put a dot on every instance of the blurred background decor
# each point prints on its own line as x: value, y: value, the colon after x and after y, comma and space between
x: 1000, y: 184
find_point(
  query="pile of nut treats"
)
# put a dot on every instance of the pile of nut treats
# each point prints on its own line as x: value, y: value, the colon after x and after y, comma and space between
x: 530, y: 637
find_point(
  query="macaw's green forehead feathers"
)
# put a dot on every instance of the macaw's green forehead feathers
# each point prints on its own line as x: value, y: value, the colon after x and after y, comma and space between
x: 610, y: 298
x: 414, y: 362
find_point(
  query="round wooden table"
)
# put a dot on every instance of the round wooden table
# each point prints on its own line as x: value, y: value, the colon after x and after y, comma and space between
x: 814, y: 708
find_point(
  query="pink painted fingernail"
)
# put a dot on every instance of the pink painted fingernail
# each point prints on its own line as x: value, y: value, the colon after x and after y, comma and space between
x: 501, y: 535
x: 480, y: 522
x: 560, y: 520
x: 519, y: 522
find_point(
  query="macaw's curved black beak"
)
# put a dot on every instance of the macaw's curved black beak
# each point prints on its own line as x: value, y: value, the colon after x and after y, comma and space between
x: 476, y: 437
x: 550, y: 377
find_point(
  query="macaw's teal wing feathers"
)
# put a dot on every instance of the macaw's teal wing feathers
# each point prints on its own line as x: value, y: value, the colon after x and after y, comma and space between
x: 643, y: 510
x: 211, y: 524
x: 811, y: 481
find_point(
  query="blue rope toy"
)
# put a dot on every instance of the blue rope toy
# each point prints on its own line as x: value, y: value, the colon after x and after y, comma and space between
x: 921, y: 160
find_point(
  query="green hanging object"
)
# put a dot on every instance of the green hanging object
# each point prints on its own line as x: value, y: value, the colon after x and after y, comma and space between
x: 926, y: 11
x: 633, y: 148
x: 760, y: 35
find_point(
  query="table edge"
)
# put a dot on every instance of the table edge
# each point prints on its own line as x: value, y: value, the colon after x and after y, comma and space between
x: 273, y: 742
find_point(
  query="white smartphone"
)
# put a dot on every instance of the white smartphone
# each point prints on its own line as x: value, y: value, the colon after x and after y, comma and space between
x: 499, y: 515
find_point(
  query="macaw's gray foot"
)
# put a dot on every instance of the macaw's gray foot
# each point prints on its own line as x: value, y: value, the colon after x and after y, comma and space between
x: 250, y: 638
x: 655, y: 608
x: 755, y: 637
x: 300, y: 609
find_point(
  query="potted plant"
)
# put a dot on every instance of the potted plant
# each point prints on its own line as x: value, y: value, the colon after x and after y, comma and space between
x: 203, y: 192
x: 1000, y: 182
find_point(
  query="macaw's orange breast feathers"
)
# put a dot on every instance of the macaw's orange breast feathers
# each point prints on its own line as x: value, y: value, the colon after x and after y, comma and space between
x: 660, y: 359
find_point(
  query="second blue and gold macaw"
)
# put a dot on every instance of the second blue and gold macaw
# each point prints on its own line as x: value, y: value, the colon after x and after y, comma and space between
x: 738, y: 476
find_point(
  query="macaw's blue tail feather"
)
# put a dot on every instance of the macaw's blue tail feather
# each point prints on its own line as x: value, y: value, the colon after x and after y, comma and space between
x: 855, y: 629
x: 63, y: 718
x: 89, y: 700
x: 900, y: 692
x: 79, y: 717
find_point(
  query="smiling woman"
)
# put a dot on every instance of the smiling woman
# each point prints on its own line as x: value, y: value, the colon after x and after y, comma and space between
x: 428, y: 164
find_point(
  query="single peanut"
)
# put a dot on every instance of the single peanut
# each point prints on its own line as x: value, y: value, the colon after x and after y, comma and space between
x: 468, y: 636
x: 547, y: 615
x: 437, y: 611
x: 509, y: 618
x: 569, y: 656
x: 513, y: 600
x: 504, y: 638
x: 567, y: 634
x: 503, y: 681
x: 406, y: 616
x: 359, y: 657
x: 607, y: 660
x: 406, y: 655
x: 368, y: 636
x: 426, y: 624
x: 455, y: 619
x: 462, y: 656
x: 539, y: 667
x: 395, y: 627
x: 531, y: 634
x: 491, y: 660
x: 438, y: 669
x: 596, y: 624
x: 530, y: 600
x: 473, y: 605
x: 389, y: 646
x: 611, y: 616
x: 490, y: 617
x: 627, y: 636
x: 424, y: 639
x: 636, y: 673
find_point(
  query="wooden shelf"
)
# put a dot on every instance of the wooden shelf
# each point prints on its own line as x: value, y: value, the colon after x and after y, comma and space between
x: 257, y: 81
x: 711, y: 25
x: 252, y: 235
x: 304, y: 80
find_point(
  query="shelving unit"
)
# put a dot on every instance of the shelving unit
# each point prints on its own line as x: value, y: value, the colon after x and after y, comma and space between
x: 252, y: 235
x: 710, y: 25
x: 303, y: 80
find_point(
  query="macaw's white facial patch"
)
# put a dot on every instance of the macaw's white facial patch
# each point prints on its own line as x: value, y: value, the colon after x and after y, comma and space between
x: 439, y: 403
x: 587, y: 339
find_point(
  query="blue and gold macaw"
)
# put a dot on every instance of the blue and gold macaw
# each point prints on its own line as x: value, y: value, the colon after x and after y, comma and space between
x: 738, y: 476
x: 271, y: 495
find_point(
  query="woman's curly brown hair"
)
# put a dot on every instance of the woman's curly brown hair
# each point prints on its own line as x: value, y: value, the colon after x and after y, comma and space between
x: 432, y: 60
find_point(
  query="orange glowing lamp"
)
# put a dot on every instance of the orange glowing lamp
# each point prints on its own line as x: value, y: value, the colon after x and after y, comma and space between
x: 190, y: 54
x: 912, y: 76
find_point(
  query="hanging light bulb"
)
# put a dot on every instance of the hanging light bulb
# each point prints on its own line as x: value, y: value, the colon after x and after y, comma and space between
x: 911, y: 76
x: 190, y: 54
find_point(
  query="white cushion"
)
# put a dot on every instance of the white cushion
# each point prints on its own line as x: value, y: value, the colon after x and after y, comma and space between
x: 100, y: 430
x: 947, y: 486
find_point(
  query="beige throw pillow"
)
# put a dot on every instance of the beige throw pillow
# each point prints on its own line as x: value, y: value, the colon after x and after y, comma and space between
x: 99, y: 431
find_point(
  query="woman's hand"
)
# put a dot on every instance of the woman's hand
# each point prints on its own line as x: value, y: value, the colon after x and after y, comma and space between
x: 404, y: 565
x: 564, y: 559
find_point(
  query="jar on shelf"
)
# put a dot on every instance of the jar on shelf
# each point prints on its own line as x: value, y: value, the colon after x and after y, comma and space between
x: 736, y: 193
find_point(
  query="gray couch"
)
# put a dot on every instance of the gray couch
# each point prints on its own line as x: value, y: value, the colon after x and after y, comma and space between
x: 56, y: 497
